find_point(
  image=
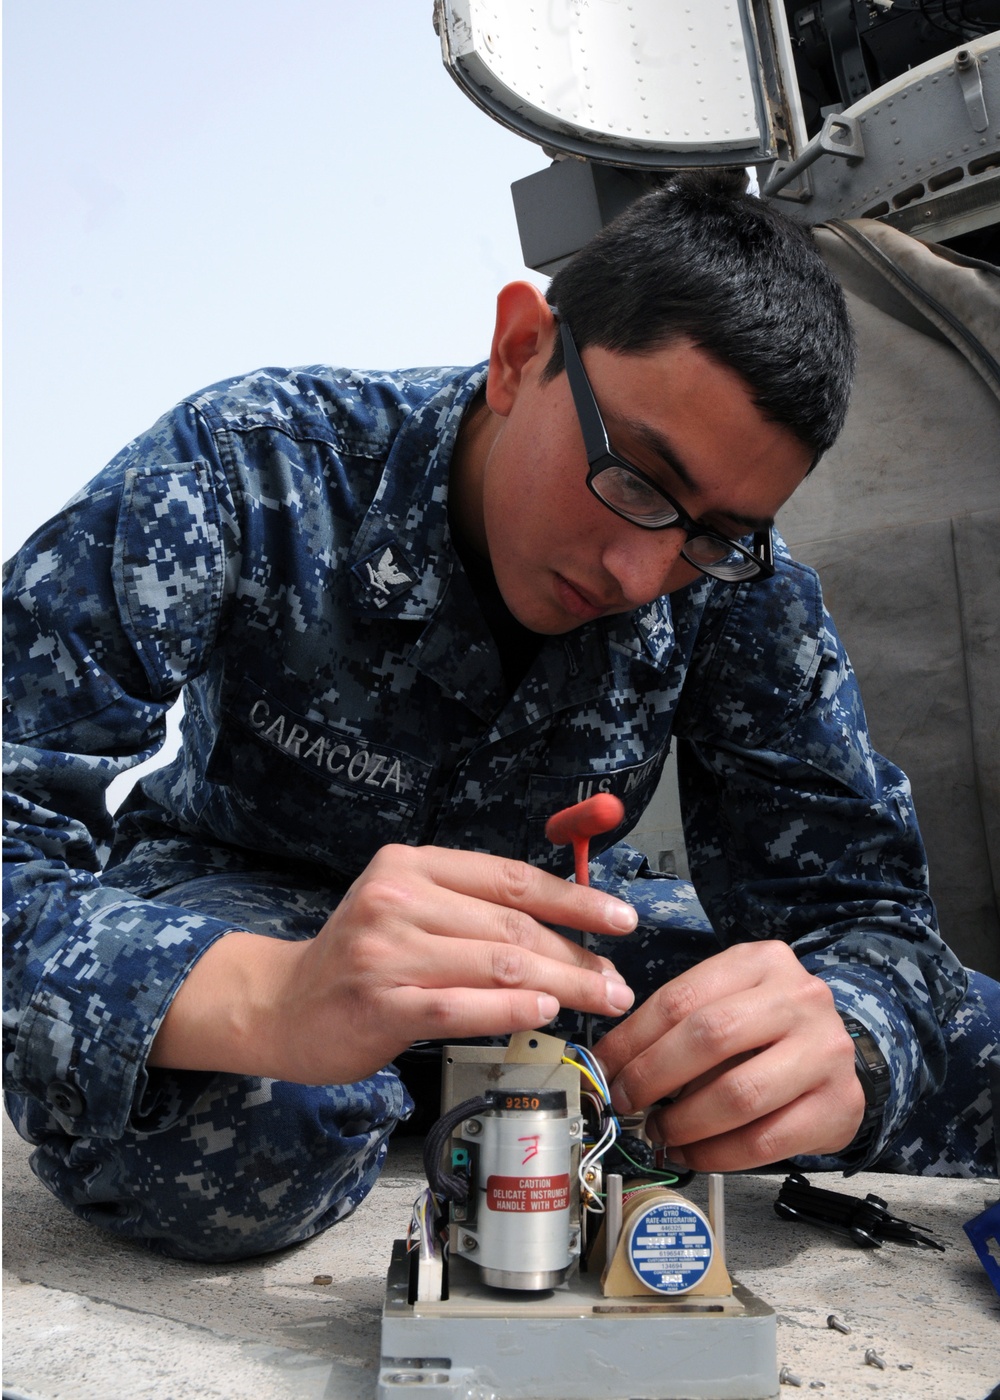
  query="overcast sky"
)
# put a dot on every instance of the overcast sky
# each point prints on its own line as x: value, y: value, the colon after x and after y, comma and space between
x: 197, y: 187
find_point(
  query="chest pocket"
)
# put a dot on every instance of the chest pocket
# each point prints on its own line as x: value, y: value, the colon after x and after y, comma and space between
x: 547, y: 794
x: 287, y: 784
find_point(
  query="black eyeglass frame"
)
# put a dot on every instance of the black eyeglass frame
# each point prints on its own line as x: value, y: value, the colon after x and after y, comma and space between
x: 601, y: 456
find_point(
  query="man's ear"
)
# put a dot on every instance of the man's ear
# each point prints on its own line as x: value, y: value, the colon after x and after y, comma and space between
x: 525, y: 327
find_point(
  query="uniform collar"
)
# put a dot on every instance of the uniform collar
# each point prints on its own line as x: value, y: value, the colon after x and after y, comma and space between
x: 402, y: 557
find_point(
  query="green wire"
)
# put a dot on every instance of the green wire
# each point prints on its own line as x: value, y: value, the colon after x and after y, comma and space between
x: 669, y: 1177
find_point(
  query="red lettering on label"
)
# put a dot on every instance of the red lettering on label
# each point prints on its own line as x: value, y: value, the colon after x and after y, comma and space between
x: 527, y: 1193
x: 531, y: 1149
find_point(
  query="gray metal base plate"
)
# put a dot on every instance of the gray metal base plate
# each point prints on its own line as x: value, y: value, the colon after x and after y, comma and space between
x: 572, y: 1343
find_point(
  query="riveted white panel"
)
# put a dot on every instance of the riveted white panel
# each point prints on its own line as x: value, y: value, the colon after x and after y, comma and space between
x: 640, y: 74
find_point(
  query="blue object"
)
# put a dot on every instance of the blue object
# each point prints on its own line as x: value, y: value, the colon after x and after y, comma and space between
x: 983, y: 1231
x: 670, y: 1246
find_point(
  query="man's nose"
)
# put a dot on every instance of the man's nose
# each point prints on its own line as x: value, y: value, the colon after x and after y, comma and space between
x: 647, y: 563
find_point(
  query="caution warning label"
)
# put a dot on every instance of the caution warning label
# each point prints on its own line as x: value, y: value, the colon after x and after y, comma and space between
x: 527, y: 1193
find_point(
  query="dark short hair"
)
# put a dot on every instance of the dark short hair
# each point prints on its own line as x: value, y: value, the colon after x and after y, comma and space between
x: 700, y: 259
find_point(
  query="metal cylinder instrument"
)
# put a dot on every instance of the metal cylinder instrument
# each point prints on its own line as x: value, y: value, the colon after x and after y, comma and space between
x: 522, y: 1234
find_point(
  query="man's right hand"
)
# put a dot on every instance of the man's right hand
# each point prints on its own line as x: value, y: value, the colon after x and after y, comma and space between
x: 427, y: 944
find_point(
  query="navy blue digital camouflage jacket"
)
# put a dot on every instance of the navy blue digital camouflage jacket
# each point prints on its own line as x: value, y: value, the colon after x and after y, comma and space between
x: 278, y: 548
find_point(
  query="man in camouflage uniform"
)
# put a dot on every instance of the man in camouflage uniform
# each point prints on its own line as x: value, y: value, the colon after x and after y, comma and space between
x: 406, y: 632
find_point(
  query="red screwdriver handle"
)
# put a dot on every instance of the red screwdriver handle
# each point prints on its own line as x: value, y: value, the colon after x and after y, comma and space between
x: 577, y: 824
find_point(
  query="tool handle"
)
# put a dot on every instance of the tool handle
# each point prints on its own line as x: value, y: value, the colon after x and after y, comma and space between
x: 577, y: 824
x: 585, y: 819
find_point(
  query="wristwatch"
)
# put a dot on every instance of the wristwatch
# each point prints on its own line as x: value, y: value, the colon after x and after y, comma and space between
x: 872, y: 1070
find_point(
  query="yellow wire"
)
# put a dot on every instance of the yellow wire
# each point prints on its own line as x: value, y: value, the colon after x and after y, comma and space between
x: 584, y: 1070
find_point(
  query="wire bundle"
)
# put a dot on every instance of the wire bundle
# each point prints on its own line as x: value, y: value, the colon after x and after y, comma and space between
x: 449, y: 1185
x: 952, y: 17
x: 611, y: 1136
x: 423, y: 1223
x: 611, y: 1128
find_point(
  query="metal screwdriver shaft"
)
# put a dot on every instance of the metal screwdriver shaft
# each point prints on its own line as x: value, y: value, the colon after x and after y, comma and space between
x: 576, y: 825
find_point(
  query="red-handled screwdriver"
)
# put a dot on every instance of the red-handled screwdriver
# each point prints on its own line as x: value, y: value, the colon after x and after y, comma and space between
x: 577, y: 824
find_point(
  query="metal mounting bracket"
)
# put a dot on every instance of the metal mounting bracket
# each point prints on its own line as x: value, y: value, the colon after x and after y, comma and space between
x: 840, y: 136
x: 967, y: 68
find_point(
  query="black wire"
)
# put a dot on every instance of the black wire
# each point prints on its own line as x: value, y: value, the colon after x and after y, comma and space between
x: 644, y: 1168
x: 966, y: 25
x: 942, y: 29
x: 950, y: 27
x: 447, y: 1184
x: 980, y: 24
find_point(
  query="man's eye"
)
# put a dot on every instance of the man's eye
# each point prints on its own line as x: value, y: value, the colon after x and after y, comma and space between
x: 638, y: 493
x: 630, y: 492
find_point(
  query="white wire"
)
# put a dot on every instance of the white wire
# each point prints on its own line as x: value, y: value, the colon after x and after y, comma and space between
x: 611, y: 1133
x: 590, y: 1196
x: 595, y: 1069
x: 421, y: 1232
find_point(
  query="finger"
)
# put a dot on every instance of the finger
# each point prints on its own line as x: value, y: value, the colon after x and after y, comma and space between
x: 736, y: 1002
x: 817, y: 1123
x: 455, y: 1013
x: 408, y: 1014
x: 517, y: 885
x: 439, y: 964
x: 753, y: 1085
x: 393, y: 900
x: 697, y: 1045
x: 668, y: 1007
x: 736, y: 1094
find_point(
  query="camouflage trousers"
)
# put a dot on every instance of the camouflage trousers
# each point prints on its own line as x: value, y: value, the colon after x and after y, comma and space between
x: 246, y: 1166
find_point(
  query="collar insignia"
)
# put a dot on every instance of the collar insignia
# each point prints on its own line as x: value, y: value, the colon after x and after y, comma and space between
x: 385, y: 573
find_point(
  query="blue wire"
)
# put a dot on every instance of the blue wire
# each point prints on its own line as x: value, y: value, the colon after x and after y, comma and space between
x: 589, y: 1061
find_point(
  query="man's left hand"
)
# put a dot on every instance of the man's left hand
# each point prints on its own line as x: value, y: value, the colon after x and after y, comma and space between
x: 752, y: 1053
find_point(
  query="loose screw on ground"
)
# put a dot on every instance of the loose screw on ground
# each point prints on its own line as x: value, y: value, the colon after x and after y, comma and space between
x: 786, y: 1376
x: 872, y: 1358
x: 834, y: 1322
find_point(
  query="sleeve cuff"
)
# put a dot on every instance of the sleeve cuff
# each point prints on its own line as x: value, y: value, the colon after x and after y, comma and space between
x: 83, y: 1042
x: 894, y: 1035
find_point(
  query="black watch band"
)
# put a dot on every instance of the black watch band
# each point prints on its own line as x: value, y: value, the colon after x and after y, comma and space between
x: 872, y: 1070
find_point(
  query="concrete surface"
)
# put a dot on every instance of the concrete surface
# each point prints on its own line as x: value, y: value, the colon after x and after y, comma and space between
x: 87, y: 1317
